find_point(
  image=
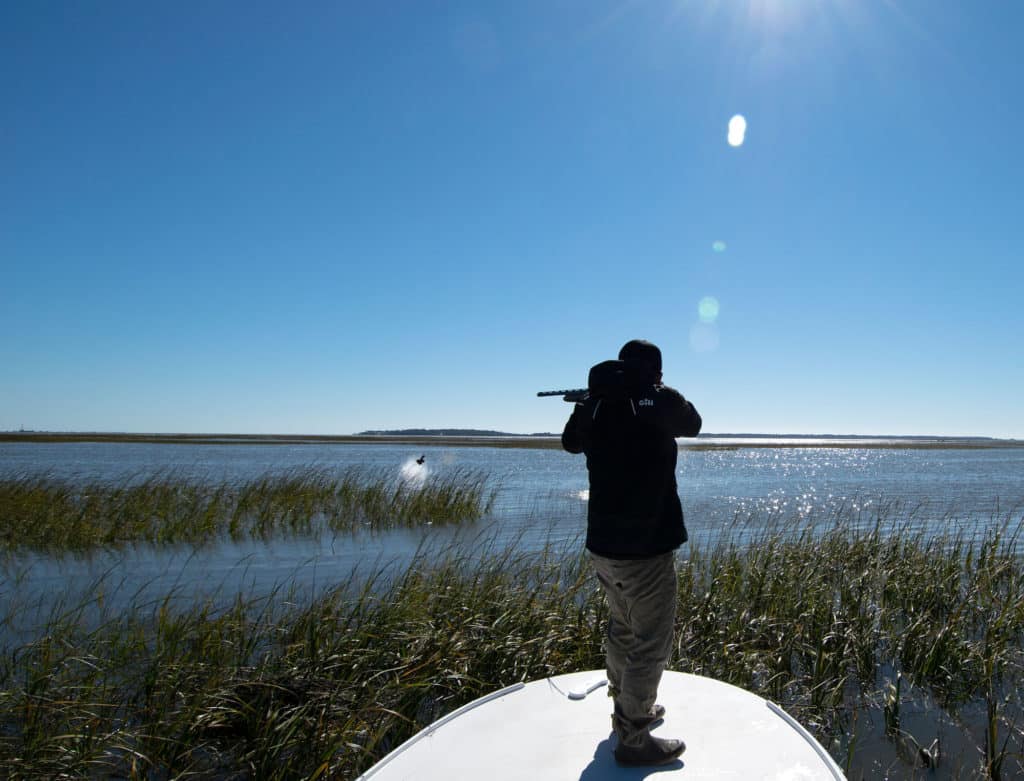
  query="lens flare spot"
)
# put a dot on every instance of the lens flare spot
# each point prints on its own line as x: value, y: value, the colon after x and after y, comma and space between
x: 707, y: 309
x: 737, y: 130
x: 719, y: 246
x: 703, y: 338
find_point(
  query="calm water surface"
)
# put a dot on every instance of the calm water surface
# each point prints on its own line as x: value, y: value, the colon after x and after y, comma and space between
x: 541, y: 499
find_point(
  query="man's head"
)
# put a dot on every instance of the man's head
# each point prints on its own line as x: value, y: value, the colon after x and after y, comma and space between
x: 644, y: 354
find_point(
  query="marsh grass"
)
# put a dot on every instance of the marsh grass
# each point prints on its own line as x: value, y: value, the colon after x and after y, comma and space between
x: 844, y: 628
x: 40, y: 513
x: 832, y: 624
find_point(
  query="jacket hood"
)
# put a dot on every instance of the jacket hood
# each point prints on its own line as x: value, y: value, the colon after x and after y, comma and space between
x: 616, y: 379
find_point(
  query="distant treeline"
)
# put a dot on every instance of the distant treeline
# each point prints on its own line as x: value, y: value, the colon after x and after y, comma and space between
x: 447, y: 432
x: 475, y: 432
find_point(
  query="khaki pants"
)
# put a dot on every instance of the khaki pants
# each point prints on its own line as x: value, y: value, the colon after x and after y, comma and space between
x: 642, y: 604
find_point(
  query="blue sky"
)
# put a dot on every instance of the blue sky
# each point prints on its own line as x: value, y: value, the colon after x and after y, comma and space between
x: 331, y: 217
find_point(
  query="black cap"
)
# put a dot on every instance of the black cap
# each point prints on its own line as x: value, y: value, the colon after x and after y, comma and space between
x: 643, y: 352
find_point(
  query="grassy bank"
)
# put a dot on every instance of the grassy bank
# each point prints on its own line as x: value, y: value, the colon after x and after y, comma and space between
x: 849, y: 630
x: 39, y: 513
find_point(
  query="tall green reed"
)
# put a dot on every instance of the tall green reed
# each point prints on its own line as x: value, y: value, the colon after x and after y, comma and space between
x: 825, y: 622
x: 41, y: 513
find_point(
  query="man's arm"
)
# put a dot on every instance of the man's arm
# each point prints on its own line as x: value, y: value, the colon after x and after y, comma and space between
x: 572, y: 441
x: 682, y: 417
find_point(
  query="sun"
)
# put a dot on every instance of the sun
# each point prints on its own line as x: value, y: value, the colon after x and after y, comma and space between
x: 774, y: 17
x: 780, y: 14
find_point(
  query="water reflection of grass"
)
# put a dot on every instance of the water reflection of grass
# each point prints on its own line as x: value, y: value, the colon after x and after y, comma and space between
x: 843, y: 628
x: 45, y: 514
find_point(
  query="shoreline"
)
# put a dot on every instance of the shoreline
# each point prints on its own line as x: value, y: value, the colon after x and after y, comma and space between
x: 552, y: 442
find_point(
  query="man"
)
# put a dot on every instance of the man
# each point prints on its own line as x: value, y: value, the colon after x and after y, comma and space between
x: 627, y: 428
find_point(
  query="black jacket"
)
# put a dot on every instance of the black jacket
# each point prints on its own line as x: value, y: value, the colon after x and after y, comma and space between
x: 628, y: 435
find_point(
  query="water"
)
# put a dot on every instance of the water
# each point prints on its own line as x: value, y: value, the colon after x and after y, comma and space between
x: 731, y: 491
x: 541, y: 500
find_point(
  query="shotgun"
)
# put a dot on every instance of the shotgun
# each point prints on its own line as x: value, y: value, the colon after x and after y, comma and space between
x: 573, y: 395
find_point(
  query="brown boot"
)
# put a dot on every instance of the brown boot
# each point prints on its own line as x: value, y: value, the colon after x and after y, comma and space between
x: 652, y: 751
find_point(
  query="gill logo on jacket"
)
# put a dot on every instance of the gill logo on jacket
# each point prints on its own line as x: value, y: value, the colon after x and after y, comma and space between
x: 646, y: 402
